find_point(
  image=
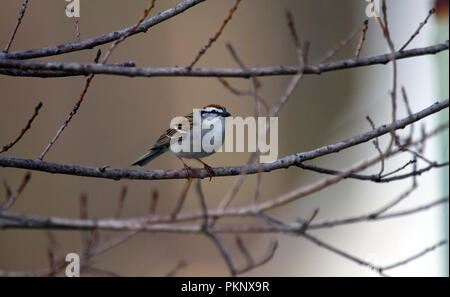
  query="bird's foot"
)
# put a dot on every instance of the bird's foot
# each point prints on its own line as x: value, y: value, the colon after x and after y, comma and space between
x: 190, y: 172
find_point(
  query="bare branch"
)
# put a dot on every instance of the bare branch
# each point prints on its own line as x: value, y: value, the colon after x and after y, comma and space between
x: 362, y: 38
x: 106, y: 38
x: 123, y: 194
x: 372, y: 217
x: 244, y: 251
x: 24, y: 130
x: 342, y: 43
x: 430, y: 13
x: 296, y: 40
x: 77, y: 27
x: 153, y: 202
x: 271, y: 249
x: 377, y: 146
x: 285, y: 162
x: 86, y: 69
x: 72, y: 113
x: 217, y: 35
x: 234, y: 90
x: 10, y: 219
x: 203, y: 206
x: 12, y: 198
x: 223, y: 251
x: 412, y: 258
x: 129, y: 31
x: 19, y: 21
x: 376, y: 177
x: 180, y: 265
x: 182, y: 198
x: 379, y: 269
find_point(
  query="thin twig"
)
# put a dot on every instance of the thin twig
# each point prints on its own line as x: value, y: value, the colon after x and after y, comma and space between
x: 7, y: 188
x: 180, y: 265
x: 223, y: 251
x: 375, y: 177
x: 385, y: 30
x: 399, y: 168
x: 12, y: 198
x: 77, y: 27
x: 412, y: 258
x: 244, y: 251
x: 409, y: 110
x: 128, y: 32
x: 233, y: 90
x: 377, y: 146
x: 105, y: 38
x: 393, y: 203
x: 83, y: 205
x: 217, y: 35
x: 237, y: 184
x: 19, y: 21
x: 101, y: 271
x: 296, y: 79
x: 153, y: 202
x: 182, y: 198
x: 362, y: 38
x: 273, y: 245
x: 342, y: 43
x: 256, y: 84
x: 430, y: 13
x: 203, y: 206
x: 296, y: 40
x: 73, y: 112
x: 24, y: 130
x: 123, y: 194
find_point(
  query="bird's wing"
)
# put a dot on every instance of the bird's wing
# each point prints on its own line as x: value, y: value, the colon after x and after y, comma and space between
x: 164, y: 140
x: 173, y: 133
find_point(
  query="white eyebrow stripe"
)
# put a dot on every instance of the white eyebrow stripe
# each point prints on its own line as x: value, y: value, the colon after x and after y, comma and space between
x: 211, y: 109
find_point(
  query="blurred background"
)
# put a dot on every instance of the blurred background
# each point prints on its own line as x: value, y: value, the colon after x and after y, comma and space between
x: 121, y: 118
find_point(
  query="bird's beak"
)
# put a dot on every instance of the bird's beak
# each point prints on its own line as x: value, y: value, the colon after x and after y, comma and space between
x: 226, y: 114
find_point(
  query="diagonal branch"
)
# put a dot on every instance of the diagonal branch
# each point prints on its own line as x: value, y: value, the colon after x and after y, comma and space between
x: 19, y: 21
x: 216, y: 35
x: 430, y: 13
x: 106, y: 38
x: 13, y: 196
x: 24, y: 130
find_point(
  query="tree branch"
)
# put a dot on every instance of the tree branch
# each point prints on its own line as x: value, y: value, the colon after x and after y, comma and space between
x: 285, y: 162
x: 10, y: 220
x: 106, y: 38
x: 30, y: 67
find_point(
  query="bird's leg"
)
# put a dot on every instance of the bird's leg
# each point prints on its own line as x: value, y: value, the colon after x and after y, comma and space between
x: 208, y: 168
x: 189, y: 170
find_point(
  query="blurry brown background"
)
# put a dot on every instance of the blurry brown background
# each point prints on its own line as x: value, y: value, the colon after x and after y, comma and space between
x: 121, y: 117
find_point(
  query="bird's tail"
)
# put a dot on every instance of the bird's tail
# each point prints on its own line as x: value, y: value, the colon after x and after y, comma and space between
x: 152, y: 154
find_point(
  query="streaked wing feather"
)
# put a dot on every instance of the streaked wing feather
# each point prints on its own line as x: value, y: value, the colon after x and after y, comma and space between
x: 164, y: 139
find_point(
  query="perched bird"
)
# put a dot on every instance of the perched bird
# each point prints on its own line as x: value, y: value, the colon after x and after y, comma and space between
x: 212, y: 121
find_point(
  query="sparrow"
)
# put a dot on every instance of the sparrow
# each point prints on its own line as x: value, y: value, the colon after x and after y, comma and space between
x: 212, y: 121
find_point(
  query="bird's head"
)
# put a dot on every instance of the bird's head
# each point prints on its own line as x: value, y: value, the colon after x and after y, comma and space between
x: 214, y: 110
